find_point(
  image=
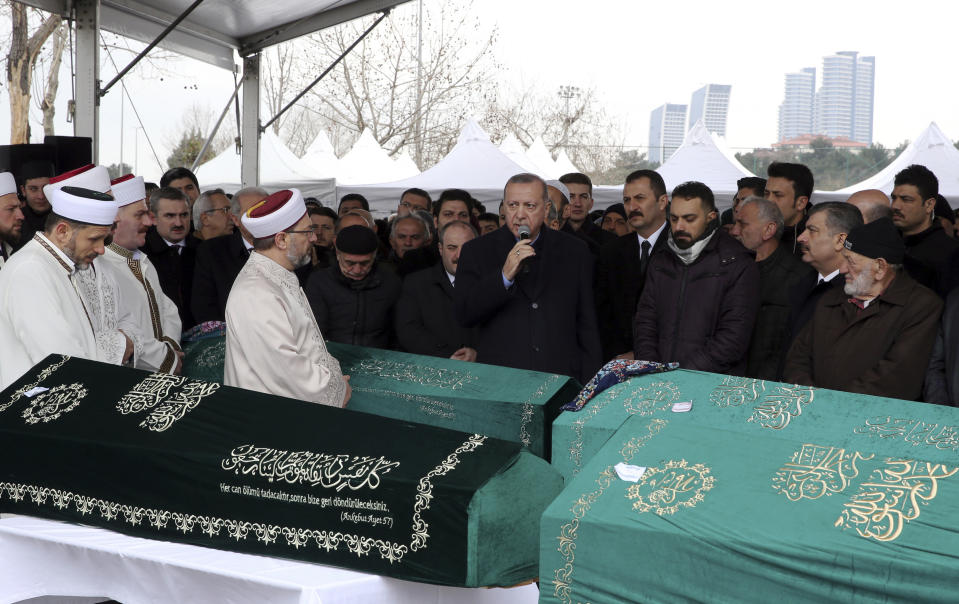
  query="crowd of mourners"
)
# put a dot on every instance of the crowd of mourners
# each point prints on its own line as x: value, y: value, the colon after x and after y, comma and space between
x: 856, y: 294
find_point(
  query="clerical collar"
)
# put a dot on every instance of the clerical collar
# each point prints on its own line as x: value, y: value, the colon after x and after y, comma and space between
x: 652, y: 239
x: 65, y: 261
x: 828, y: 277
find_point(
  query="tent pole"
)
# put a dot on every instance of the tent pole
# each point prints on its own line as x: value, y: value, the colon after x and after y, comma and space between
x: 87, y: 78
x: 216, y: 127
x: 326, y: 71
x: 150, y: 47
x: 250, y: 127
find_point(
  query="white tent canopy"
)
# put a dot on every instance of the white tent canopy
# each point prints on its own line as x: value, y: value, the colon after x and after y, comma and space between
x: 541, y: 156
x: 405, y: 166
x: 367, y: 161
x: 474, y: 164
x: 279, y: 169
x: 704, y: 157
x: 564, y: 165
x: 932, y: 149
x: 513, y: 149
x: 320, y: 157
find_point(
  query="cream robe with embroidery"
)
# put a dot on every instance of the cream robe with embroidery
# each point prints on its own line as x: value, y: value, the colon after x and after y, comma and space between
x: 273, y: 344
x: 40, y: 310
x: 157, y: 336
x: 102, y: 300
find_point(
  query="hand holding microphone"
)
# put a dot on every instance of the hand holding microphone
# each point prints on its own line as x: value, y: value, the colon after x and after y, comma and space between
x: 520, y: 252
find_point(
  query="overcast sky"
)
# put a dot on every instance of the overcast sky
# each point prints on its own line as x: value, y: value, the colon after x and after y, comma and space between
x: 636, y: 55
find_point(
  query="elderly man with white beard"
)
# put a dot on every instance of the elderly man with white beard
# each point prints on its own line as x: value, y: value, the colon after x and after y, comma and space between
x: 875, y: 336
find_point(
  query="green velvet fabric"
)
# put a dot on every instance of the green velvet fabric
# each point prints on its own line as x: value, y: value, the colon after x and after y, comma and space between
x: 510, y: 404
x: 752, y: 407
x: 499, y: 537
x: 179, y: 459
x: 755, y: 495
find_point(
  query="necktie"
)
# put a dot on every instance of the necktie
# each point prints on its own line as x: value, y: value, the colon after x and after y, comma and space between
x: 644, y: 257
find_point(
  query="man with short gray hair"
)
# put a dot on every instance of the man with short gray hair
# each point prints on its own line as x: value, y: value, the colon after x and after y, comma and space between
x: 211, y: 215
x: 758, y: 226
x: 219, y: 260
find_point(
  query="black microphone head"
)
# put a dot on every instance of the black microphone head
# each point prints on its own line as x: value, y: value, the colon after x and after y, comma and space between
x: 523, y: 231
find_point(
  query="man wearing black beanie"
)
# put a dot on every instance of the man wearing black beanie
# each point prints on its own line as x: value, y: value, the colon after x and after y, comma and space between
x: 876, y: 335
x: 353, y: 300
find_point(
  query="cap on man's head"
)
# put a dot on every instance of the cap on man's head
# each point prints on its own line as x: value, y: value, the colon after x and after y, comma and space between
x: 943, y: 209
x: 128, y: 189
x: 8, y: 184
x: 616, y: 208
x: 84, y: 205
x: 275, y: 214
x: 94, y: 178
x: 357, y: 240
x: 559, y: 186
x: 877, y: 239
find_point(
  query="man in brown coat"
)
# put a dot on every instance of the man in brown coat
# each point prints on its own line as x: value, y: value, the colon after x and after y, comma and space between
x: 875, y: 336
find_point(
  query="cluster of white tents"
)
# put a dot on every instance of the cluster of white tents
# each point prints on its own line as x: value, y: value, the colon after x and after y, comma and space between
x: 481, y: 167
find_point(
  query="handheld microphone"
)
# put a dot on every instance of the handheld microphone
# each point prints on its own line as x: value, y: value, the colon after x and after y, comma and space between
x: 523, y: 231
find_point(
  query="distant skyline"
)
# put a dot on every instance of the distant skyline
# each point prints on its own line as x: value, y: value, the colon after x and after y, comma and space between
x: 635, y: 57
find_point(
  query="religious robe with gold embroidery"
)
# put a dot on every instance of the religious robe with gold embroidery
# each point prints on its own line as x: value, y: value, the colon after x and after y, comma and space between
x: 157, y: 338
x: 273, y: 344
x: 41, y: 312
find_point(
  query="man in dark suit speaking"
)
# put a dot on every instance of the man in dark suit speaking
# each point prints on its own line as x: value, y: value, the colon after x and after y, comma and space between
x: 529, y: 289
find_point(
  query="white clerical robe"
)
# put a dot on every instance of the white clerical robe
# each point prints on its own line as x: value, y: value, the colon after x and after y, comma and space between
x: 103, y: 302
x: 273, y: 344
x: 41, y: 312
x: 157, y: 336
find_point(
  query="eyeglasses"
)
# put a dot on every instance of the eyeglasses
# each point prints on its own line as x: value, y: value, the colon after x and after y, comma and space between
x: 217, y: 210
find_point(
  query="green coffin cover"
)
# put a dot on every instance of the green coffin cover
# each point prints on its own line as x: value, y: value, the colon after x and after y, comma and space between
x: 839, y: 515
x: 179, y: 459
x: 509, y: 404
x: 754, y: 407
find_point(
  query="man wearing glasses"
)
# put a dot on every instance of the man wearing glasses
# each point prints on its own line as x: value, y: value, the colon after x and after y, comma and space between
x: 211, y: 215
x: 273, y: 343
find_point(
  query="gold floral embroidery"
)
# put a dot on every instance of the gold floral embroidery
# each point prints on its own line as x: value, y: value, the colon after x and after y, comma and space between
x: 676, y: 485
x: 239, y: 530
x: 44, y: 374
x: 50, y: 405
x: 563, y: 576
x: 644, y: 400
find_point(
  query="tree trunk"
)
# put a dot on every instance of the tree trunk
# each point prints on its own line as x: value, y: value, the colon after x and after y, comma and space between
x: 23, y: 55
x: 48, y: 105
